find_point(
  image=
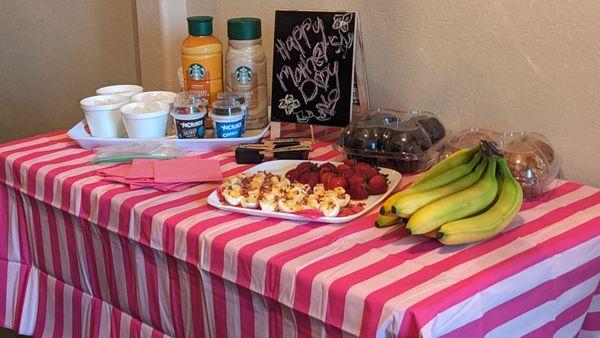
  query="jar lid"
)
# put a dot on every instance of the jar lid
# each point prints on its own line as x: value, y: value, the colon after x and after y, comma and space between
x: 240, y: 97
x: 243, y: 29
x: 200, y: 25
x: 226, y: 108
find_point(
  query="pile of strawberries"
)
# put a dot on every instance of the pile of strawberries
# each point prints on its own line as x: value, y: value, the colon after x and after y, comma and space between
x: 358, y: 179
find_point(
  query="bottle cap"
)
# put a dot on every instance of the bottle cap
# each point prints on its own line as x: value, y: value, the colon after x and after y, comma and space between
x: 243, y: 29
x: 200, y: 25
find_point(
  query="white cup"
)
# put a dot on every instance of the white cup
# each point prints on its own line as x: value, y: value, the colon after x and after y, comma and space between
x: 157, y: 96
x: 103, y: 115
x: 145, y: 125
x: 124, y: 90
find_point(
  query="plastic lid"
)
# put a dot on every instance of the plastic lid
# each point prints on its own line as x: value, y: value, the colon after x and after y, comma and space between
x: 240, y: 97
x: 226, y: 108
x: 243, y: 29
x: 200, y: 25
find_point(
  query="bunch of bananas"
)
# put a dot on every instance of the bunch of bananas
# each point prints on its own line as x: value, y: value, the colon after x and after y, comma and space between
x: 470, y: 196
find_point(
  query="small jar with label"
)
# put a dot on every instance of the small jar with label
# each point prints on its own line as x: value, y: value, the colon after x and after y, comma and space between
x: 227, y: 118
x: 240, y: 97
x: 189, y: 115
x: 246, y: 68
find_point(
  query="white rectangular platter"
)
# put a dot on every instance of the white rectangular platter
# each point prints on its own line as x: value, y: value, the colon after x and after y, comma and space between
x: 281, y: 167
x: 79, y: 134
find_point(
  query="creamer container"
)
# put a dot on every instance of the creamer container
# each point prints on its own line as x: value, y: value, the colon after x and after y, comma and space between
x: 246, y: 68
x: 227, y: 117
x: 239, y: 97
x: 202, y: 59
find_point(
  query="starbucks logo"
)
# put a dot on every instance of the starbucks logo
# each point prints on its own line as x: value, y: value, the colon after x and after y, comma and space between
x: 196, y: 71
x: 243, y: 74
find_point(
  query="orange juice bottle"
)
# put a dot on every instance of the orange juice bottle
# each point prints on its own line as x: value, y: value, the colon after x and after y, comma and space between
x: 202, y: 59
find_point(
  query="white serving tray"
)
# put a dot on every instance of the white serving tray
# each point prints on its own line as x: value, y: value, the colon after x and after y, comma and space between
x: 79, y: 134
x: 281, y: 167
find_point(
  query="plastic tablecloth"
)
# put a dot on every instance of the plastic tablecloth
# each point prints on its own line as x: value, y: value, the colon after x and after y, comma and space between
x: 84, y: 257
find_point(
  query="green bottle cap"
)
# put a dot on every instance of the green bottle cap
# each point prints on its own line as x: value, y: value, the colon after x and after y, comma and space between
x: 243, y: 29
x: 200, y: 25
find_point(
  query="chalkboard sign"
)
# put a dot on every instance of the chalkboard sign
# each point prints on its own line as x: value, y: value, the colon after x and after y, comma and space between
x: 313, y: 67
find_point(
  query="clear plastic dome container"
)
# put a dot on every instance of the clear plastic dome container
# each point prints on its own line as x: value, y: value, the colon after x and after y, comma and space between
x: 530, y: 156
x: 407, y: 141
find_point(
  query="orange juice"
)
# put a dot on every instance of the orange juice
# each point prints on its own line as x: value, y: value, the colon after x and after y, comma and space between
x: 202, y: 59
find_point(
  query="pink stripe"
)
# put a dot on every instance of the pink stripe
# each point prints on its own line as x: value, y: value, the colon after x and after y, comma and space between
x: 305, y: 276
x: 339, y: 288
x: 17, y: 163
x: 458, y: 292
x: 303, y: 326
x: 71, y: 241
x: 89, y: 258
x: 149, y: 266
x: 569, y: 315
x: 109, y: 268
x: 40, y: 321
x: 36, y: 228
x: 53, y: 246
x: 95, y: 316
x: 49, y: 180
x: 130, y: 276
x: 217, y: 244
x: 217, y: 285
x: 125, y: 211
x: 549, y: 290
x: 24, y: 271
x: 86, y: 196
x: 246, y: 319
x: 275, y: 318
x: 592, y: 321
x: 115, y: 322
x: 561, y: 190
x: 175, y: 296
x: 196, y: 300
x: 135, y: 328
x: 59, y: 287
x: 4, y: 224
x: 193, y: 235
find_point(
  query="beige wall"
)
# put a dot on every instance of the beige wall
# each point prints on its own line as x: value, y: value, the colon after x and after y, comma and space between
x: 54, y: 53
x: 505, y: 65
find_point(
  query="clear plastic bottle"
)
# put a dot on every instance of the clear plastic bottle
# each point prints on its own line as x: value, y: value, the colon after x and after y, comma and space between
x: 246, y: 68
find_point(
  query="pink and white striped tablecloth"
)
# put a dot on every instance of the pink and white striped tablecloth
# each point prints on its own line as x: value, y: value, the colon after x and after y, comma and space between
x: 84, y: 257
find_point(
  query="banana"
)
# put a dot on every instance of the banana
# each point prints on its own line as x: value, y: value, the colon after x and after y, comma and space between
x: 387, y: 220
x: 437, y: 180
x: 458, y: 205
x: 491, y: 222
x: 454, y: 160
x: 408, y: 204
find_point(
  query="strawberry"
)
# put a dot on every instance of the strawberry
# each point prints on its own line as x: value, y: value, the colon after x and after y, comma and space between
x: 306, y: 166
x: 326, y: 177
x: 377, y: 185
x: 337, y: 181
x: 311, y: 178
x: 356, y: 179
x: 293, y: 175
x: 365, y: 169
x: 350, y: 162
x: 345, y: 170
x: 327, y: 167
x: 358, y: 192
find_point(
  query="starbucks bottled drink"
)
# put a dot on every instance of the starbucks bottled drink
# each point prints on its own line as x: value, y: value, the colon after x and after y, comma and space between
x: 246, y: 68
x: 202, y: 59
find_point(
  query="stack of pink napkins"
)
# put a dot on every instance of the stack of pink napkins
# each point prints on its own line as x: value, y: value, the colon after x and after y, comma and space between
x: 165, y: 175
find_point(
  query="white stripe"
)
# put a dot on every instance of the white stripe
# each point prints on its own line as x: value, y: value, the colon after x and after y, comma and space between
x: 544, y: 313
x: 86, y: 314
x: 105, y: 322
x: 571, y: 329
x: 182, y: 227
x: 477, y: 305
x: 14, y: 234
x: 124, y: 325
x: 84, y: 270
x: 118, y: 264
x: 62, y: 245
x: 142, y: 286
x: 186, y: 303
x: 261, y: 316
x: 50, y: 306
x: 30, y: 303
x: 31, y: 142
x: 46, y: 249
x: 11, y: 297
x: 10, y: 159
x: 164, y: 296
x: 232, y: 310
x: 588, y: 334
x: 58, y: 179
x: 98, y: 257
x: 595, y: 306
x: 40, y: 173
x: 67, y: 311
x: 288, y: 322
x: 393, y: 310
x: 210, y: 319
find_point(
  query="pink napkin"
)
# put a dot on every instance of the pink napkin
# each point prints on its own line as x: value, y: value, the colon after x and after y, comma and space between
x: 187, y: 169
x: 166, y: 175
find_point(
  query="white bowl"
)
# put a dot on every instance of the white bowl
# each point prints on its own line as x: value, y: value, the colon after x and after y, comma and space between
x: 103, y: 115
x: 145, y: 125
x: 125, y: 90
